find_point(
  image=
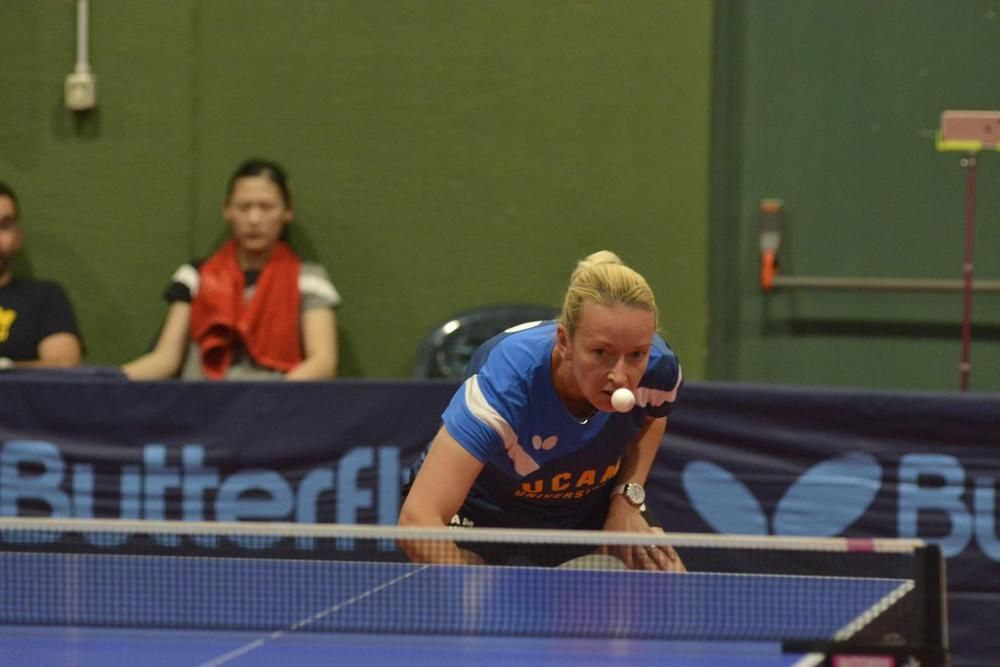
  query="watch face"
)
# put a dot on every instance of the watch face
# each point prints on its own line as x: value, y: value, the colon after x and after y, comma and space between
x: 635, y: 494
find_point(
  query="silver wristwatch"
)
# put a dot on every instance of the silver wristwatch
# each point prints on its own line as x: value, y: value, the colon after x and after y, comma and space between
x: 633, y: 493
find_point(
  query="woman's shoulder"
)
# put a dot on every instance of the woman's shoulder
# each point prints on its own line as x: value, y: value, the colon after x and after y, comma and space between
x: 519, y: 351
x: 664, y: 369
x: 662, y: 350
x: 315, y: 285
x: 311, y: 268
x: 187, y: 273
x: 184, y: 282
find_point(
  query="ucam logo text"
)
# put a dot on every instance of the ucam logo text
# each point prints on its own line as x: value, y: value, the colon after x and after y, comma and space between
x: 832, y: 495
x: 35, y: 473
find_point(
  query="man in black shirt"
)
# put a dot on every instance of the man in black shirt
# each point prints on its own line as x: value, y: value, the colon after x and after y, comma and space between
x: 37, y: 324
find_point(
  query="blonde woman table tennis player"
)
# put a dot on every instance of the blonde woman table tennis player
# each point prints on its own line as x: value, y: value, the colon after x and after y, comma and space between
x: 532, y: 440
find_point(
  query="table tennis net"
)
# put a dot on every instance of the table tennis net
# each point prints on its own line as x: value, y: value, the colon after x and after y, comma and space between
x: 357, y: 579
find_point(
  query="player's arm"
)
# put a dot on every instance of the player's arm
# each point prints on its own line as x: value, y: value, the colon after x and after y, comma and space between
x: 58, y: 350
x: 166, y: 358
x: 319, y: 343
x: 623, y: 516
x: 638, y: 459
x: 437, y: 493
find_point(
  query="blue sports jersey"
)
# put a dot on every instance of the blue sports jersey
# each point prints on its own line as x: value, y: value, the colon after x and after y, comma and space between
x: 544, y: 468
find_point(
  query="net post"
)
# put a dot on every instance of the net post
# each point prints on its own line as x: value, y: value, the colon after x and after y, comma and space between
x: 931, y: 587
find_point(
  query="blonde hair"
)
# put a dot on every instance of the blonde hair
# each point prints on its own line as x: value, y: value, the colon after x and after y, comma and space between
x: 603, y: 278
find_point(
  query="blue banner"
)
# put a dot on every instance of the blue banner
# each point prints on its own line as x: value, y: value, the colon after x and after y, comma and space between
x: 823, y: 462
x: 736, y: 459
x: 80, y: 446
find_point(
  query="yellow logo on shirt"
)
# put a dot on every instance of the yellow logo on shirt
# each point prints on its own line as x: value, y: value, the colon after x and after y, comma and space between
x: 7, y: 317
x: 567, y: 485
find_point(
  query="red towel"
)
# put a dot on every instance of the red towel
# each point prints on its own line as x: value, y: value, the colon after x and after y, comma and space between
x: 268, y: 326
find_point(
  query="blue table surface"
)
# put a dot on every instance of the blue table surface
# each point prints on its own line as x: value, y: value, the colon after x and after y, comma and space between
x: 80, y: 647
x: 71, y: 619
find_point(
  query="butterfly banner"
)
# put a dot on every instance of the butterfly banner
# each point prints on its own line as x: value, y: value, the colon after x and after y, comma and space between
x: 761, y: 460
x: 772, y: 460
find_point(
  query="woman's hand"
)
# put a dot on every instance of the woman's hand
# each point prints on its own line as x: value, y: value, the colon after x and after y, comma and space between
x: 625, y: 517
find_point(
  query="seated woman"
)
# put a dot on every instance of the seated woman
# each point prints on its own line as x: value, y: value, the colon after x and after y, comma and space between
x: 253, y: 310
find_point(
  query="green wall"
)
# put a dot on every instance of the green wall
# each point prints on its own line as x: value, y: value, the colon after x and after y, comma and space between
x: 106, y: 199
x: 832, y: 107
x: 444, y: 154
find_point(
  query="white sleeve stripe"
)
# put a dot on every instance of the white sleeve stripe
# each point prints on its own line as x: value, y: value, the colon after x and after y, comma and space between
x: 677, y: 385
x: 188, y: 276
x: 485, y: 413
x: 657, y: 397
x: 310, y: 284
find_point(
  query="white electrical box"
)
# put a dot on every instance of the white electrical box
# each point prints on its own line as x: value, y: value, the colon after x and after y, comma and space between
x: 81, y: 91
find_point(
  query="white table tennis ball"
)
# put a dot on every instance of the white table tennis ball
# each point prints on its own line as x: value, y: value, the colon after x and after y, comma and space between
x: 622, y: 399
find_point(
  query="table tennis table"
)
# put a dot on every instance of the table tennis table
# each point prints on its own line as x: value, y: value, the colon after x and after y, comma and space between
x: 95, y: 646
x: 93, y: 607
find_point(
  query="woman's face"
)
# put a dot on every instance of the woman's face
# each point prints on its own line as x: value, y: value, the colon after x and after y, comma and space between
x: 610, y: 349
x: 257, y: 213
